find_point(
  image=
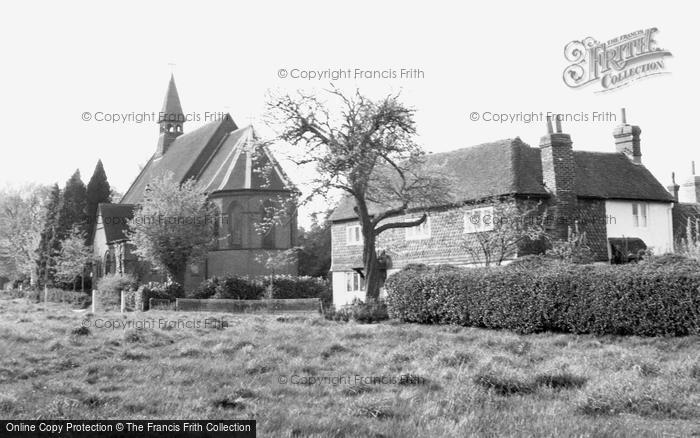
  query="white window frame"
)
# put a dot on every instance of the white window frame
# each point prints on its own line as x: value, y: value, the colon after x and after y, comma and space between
x: 354, y: 282
x: 419, y: 232
x: 640, y: 214
x: 353, y: 234
x: 471, y: 226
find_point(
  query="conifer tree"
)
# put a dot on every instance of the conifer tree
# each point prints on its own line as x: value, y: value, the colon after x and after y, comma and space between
x: 73, y: 206
x: 98, y: 190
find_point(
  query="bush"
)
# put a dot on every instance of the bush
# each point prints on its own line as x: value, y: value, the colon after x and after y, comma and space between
x: 638, y: 299
x: 238, y: 288
x: 162, y: 291
x: 291, y: 287
x: 115, y: 283
x: 671, y: 260
x: 206, y: 289
x: 282, y: 287
x: 76, y: 299
x: 359, y: 311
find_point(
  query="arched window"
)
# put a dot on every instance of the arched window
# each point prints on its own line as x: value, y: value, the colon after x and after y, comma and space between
x: 235, y: 225
x: 267, y: 215
x: 109, y: 263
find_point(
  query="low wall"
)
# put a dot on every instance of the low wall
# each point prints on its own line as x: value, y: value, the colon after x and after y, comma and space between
x: 250, y: 306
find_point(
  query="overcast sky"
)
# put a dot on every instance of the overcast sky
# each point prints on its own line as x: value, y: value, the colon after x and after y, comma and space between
x: 61, y: 59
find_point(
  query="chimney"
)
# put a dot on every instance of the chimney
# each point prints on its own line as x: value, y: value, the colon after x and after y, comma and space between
x: 558, y: 175
x: 690, y: 189
x: 673, y: 188
x: 627, y: 140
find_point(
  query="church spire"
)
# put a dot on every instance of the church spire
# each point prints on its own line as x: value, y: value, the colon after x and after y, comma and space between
x: 171, y: 118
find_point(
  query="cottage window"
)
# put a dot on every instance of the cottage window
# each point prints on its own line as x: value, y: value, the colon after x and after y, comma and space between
x: 478, y: 220
x: 354, y: 234
x: 354, y: 282
x: 639, y: 214
x: 418, y: 232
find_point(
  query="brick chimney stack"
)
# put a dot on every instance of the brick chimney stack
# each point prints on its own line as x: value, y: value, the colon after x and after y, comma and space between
x: 627, y: 139
x: 558, y: 174
x: 690, y: 189
x: 673, y: 188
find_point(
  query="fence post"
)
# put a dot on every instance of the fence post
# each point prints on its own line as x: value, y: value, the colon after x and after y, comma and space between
x: 123, y: 304
x: 94, y: 299
x: 46, y: 294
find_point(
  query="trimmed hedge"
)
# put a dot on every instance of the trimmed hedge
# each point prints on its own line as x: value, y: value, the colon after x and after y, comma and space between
x: 638, y: 299
x: 283, y: 287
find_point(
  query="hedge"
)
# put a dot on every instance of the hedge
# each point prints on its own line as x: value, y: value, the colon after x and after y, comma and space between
x: 647, y: 299
x: 283, y: 287
x: 163, y: 291
x: 76, y: 299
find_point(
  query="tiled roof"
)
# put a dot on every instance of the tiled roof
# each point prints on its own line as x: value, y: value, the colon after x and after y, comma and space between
x: 240, y: 164
x: 511, y: 167
x: 114, y: 218
x: 614, y: 176
x: 185, y: 157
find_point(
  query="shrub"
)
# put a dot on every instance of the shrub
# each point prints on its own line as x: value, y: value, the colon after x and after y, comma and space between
x: 359, y: 311
x: 638, y: 299
x: 79, y: 300
x: 206, y: 289
x: 163, y: 291
x: 115, y: 283
x: 238, y: 288
x: 290, y: 287
x: 76, y: 299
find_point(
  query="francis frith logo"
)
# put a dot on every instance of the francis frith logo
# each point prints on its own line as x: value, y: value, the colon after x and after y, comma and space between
x: 615, y: 63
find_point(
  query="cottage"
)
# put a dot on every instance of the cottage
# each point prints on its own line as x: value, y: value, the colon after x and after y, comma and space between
x: 686, y: 209
x: 241, y: 177
x: 614, y: 198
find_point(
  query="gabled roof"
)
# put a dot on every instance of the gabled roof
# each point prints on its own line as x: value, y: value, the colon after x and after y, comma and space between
x: 242, y: 164
x: 185, y: 157
x: 172, y: 110
x: 614, y: 176
x: 114, y: 218
x: 511, y: 167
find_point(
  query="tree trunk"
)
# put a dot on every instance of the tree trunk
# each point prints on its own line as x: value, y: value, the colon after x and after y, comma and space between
x: 373, y: 275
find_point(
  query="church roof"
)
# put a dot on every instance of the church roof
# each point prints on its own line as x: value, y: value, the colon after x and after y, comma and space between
x: 242, y: 163
x: 114, y: 218
x: 511, y: 167
x: 172, y: 110
x: 184, y: 158
x: 218, y: 155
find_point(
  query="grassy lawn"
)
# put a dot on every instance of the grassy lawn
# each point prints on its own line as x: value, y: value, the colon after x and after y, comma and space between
x: 456, y: 381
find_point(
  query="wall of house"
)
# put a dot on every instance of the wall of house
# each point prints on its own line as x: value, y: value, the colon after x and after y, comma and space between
x: 446, y: 244
x: 593, y: 221
x: 658, y: 233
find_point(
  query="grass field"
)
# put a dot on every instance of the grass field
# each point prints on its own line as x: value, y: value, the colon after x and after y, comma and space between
x: 437, y: 380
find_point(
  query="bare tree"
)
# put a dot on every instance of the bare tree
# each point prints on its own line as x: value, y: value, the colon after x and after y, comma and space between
x: 510, y: 226
x: 365, y: 149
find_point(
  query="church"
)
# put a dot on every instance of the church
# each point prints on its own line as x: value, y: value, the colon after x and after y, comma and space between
x: 241, y: 178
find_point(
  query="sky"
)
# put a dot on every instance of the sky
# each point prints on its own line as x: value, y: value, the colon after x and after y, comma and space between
x: 61, y: 60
